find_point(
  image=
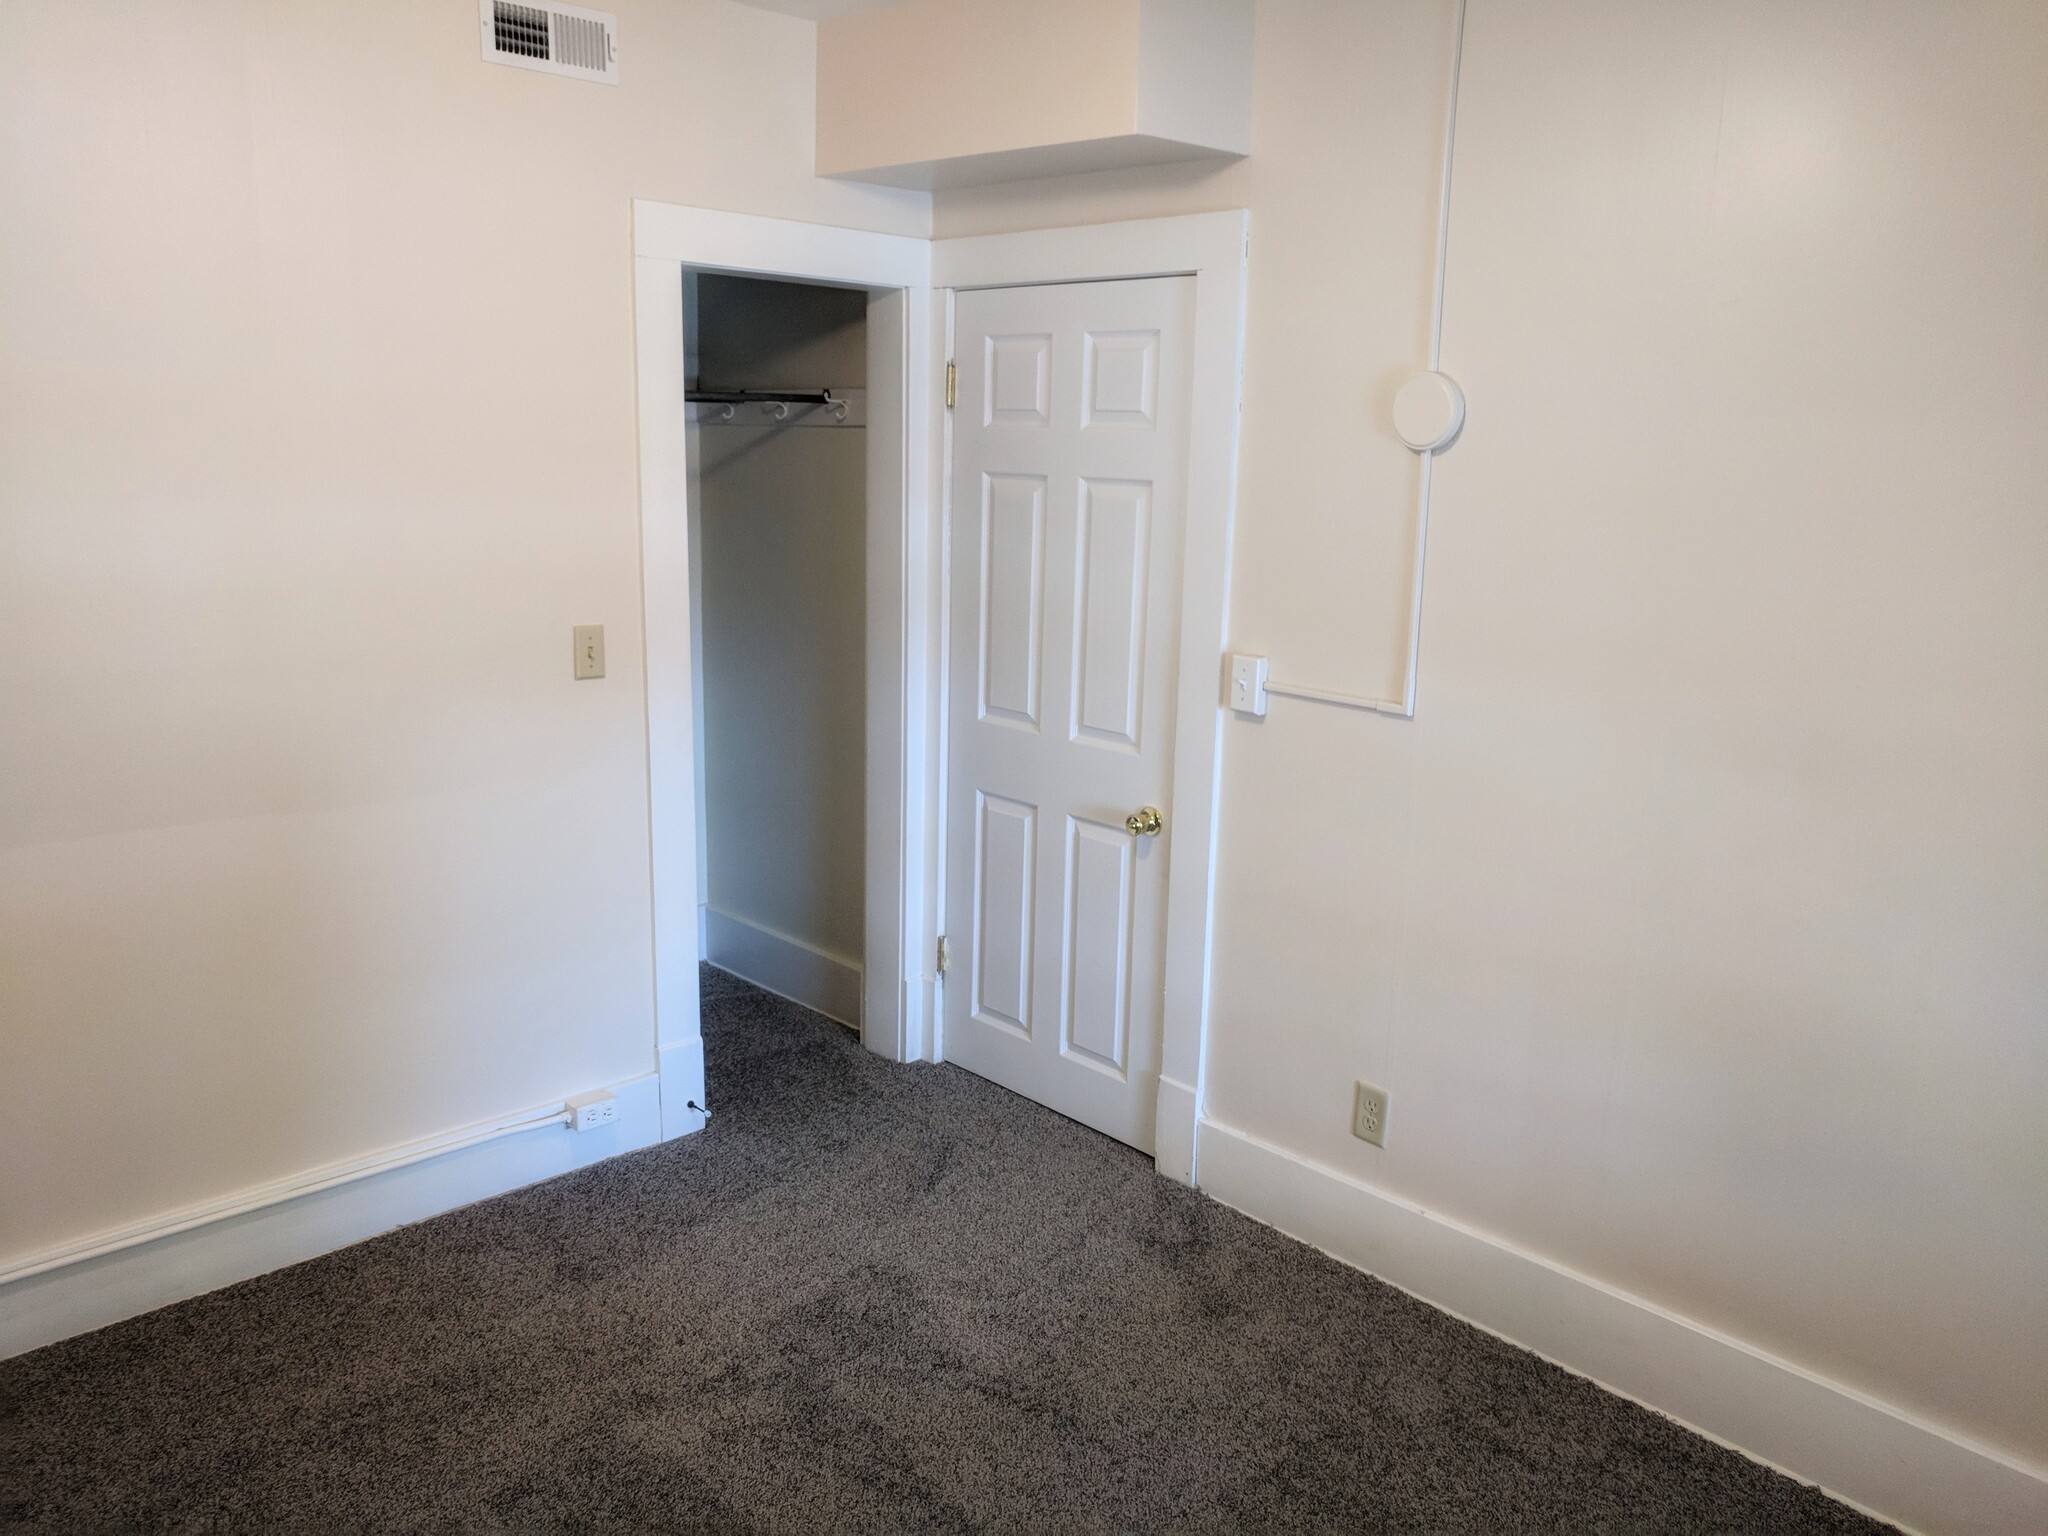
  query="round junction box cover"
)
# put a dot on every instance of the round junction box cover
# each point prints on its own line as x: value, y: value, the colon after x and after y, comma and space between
x: 1428, y: 411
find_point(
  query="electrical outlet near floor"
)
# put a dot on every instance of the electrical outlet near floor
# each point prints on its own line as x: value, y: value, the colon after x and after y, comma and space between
x: 588, y: 1111
x: 1369, y: 1114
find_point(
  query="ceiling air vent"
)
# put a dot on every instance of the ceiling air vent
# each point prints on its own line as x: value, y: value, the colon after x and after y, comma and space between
x: 557, y: 39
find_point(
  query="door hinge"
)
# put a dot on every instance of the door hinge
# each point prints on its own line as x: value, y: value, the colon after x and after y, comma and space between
x: 952, y: 376
x: 944, y: 956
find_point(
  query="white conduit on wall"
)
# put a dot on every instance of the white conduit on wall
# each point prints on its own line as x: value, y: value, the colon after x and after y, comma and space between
x: 103, y: 1243
x: 1405, y: 705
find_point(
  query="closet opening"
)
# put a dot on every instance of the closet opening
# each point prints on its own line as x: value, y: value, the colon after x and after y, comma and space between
x: 776, y: 389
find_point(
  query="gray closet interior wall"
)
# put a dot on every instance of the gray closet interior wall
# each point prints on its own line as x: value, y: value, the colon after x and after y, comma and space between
x: 779, y: 545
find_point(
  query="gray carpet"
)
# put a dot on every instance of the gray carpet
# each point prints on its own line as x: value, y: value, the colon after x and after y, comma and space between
x: 867, y: 1298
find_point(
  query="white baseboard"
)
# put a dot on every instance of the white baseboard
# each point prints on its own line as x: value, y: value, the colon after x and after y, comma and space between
x: 684, y: 1103
x: 271, y: 1226
x: 825, y: 983
x: 1173, y: 1142
x: 931, y: 1044
x: 1861, y: 1450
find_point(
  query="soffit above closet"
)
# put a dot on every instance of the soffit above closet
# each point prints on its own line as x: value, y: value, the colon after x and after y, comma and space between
x: 948, y: 93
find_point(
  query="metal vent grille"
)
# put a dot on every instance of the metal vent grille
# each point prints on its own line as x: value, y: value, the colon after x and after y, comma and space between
x: 556, y: 39
x: 520, y: 29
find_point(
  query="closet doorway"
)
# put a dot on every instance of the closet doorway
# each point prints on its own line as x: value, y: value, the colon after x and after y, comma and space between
x: 776, y: 391
x: 920, y: 303
x: 789, y: 578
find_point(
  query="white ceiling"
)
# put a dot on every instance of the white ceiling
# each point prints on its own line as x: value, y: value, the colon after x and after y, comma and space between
x: 817, y: 10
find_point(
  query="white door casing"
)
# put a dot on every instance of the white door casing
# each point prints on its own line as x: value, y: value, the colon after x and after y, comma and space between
x: 901, y: 612
x: 907, y: 562
x: 1068, y: 503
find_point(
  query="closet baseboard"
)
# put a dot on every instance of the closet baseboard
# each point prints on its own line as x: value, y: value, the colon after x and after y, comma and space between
x: 825, y: 983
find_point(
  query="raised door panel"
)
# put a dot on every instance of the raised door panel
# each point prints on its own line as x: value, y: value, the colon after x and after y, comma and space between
x: 1017, y: 381
x: 1012, y: 596
x: 1112, y: 549
x: 1096, y: 996
x: 1120, y: 379
x: 1005, y: 855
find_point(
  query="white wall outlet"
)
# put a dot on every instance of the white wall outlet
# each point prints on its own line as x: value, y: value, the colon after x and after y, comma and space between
x: 1369, y: 1113
x: 1248, y: 684
x: 588, y: 1111
x: 589, y: 650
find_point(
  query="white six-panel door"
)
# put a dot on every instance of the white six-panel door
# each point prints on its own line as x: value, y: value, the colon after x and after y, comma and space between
x: 1070, y: 450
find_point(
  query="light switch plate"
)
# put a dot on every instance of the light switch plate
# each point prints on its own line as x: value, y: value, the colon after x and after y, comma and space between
x: 589, y: 650
x: 1248, y: 684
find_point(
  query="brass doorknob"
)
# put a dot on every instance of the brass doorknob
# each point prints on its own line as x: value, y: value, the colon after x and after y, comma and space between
x: 1144, y: 823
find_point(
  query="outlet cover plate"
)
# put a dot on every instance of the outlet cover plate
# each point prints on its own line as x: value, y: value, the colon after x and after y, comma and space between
x: 1369, y: 1113
x: 588, y: 1111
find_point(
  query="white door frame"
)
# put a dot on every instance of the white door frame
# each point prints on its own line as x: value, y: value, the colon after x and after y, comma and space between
x: 1210, y: 247
x: 901, y: 755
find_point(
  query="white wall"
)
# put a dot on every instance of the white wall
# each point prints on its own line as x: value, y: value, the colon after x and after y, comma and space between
x: 1696, y: 923
x: 316, y: 437
x: 931, y: 79
x: 1699, y: 922
x: 782, y: 512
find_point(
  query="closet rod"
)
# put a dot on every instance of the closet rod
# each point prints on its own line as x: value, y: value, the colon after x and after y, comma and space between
x: 758, y: 396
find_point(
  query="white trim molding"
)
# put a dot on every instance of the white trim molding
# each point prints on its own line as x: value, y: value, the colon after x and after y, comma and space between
x: 1865, y: 1452
x: 682, y: 1089
x: 1212, y: 248
x: 109, y: 1276
x: 1175, y: 1137
x: 823, y: 982
x: 896, y: 270
x: 710, y: 239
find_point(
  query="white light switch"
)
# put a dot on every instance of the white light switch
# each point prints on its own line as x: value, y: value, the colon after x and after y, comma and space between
x: 589, y: 650
x: 1248, y: 684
